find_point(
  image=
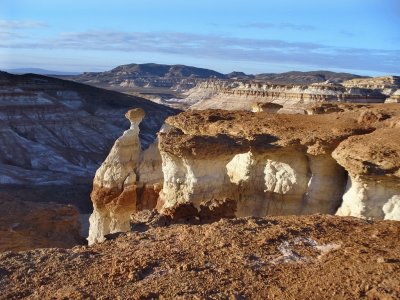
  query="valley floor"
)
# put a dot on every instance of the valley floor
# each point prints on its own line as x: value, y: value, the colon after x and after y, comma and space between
x: 292, y: 257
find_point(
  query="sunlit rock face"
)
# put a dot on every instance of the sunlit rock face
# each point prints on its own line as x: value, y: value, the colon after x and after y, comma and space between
x: 129, y: 180
x: 373, y: 164
x: 291, y: 98
x: 269, y: 164
x: 384, y: 83
x: 114, y: 189
x: 394, y: 98
x: 255, y: 164
x: 267, y: 183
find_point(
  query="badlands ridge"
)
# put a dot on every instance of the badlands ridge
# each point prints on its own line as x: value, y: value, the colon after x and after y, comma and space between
x: 344, y: 161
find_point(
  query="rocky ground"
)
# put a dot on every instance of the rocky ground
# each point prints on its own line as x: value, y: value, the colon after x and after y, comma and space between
x: 293, y: 257
x: 28, y: 225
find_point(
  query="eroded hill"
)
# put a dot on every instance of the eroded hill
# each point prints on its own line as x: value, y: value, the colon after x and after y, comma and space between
x: 56, y: 132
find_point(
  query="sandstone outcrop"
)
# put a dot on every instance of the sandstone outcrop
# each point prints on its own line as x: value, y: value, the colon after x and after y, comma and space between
x: 129, y: 180
x: 236, y: 95
x: 257, y: 164
x: 114, y: 189
x: 266, y: 107
x: 385, y: 83
x: 270, y: 164
x: 373, y: 164
x: 394, y: 98
x: 27, y: 225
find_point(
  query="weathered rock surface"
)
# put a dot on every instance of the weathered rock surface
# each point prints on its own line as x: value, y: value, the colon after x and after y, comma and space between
x: 373, y: 164
x: 26, y: 225
x: 293, y: 257
x: 270, y: 164
x: 394, y: 98
x: 242, y: 94
x: 384, y: 83
x: 114, y: 190
x: 267, y: 164
x: 54, y: 134
x: 128, y: 181
x: 58, y: 132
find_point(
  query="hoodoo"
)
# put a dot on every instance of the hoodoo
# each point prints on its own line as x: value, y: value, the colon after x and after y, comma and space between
x: 114, y: 189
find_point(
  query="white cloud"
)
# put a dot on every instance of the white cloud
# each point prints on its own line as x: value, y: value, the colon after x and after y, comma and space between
x: 20, y: 24
x: 220, y: 48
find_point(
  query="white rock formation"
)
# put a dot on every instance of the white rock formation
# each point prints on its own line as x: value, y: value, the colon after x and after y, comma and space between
x: 371, y: 199
x: 391, y: 208
x: 114, y: 189
x: 264, y: 164
x: 262, y: 184
x: 373, y: 188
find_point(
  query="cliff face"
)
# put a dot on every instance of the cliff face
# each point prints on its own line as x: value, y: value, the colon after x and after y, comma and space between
x: 385, y: 83
x: 269, y: 164
x: 394, y: 98
x: 266, y: 164
x: 242, y: 94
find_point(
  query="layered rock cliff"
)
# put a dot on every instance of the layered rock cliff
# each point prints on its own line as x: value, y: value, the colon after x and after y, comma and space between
x: 242, y: 94
x: 265, y: 164
x: 394, y: 98
x: 186, y: 87
x: 58, y: 132
x: 387, y: 84
x: 270, y: 164
x: 54, y: 134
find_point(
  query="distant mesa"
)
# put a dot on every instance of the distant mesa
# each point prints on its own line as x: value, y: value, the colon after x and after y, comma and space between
x: 169, y: 72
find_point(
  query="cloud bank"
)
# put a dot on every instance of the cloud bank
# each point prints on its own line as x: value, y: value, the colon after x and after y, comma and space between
x: 226, y: 48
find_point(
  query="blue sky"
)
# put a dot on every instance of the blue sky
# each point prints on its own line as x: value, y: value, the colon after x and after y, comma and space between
x: 357, y: 36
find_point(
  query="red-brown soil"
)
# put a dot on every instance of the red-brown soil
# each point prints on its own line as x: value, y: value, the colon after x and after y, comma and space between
x: 293, y: 257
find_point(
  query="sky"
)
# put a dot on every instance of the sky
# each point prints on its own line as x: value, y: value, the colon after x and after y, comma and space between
x: 355, y: 36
